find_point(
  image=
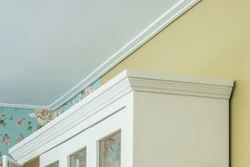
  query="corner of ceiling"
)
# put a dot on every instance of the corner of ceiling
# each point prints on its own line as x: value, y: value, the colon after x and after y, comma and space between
x: 159, y: 24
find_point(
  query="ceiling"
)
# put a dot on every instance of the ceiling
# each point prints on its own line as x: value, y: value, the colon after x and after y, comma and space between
x: 52, y: 49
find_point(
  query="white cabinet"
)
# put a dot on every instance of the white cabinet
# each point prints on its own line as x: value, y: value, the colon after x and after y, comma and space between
x: 98, y: 144
x: 139, y: 119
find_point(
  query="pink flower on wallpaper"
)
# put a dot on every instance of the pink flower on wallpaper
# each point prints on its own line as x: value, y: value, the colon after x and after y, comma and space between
x: 19, y: 123
x: 5, y: 141
x: 87, y: 91
x: 1, y: 165
x: 18, y: 139
x: 42, y: 116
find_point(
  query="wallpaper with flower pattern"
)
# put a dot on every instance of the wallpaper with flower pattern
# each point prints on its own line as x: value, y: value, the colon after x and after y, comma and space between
x: 18, y: 123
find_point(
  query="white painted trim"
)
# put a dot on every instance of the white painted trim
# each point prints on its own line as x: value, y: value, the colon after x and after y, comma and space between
x: 159, y: 24
x: 7, y: 160
x: 126, y: 82
x: 23, y: 106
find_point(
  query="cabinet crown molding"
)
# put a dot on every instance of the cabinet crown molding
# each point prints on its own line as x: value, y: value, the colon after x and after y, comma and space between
x: 179, y: 84
x: 60, y: 129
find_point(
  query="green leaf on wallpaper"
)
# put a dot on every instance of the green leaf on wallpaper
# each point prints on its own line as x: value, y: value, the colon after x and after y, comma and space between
x: 38, y: 127
x: 11, y: 117
x: 3, y: 115
x: 3, y: 123
x: 29, y: 123
x: 29, y: 128
x: 21, y: 135
x: 6, y: 136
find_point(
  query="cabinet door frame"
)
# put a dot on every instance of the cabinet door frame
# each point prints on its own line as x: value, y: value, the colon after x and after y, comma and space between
x: 118, y: 122
x: 104, y: 129
x: 51, y: 157
x: 75, y: 144
x: 115, y: 117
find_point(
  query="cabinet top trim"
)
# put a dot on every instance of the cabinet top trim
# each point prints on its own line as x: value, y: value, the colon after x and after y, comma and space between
x: 127, y: 81
x: 177, y: 78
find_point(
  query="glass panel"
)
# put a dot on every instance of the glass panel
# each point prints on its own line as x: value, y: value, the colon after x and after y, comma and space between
x: 12, y: 165
x: 56, y: 164
x: 110, y: 151
x: 78, y: 159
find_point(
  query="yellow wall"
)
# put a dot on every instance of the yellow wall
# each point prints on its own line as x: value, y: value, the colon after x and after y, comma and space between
x: 212, y: 39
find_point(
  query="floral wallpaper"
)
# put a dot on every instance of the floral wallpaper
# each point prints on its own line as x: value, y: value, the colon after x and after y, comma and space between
x: 18, y: 123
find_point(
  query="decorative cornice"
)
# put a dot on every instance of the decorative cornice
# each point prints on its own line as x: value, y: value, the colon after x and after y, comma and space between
x: 181, y: 88
x: 180, y: 84
x: 154, y: 28
x: 189, y: 89
x: 60, y: 129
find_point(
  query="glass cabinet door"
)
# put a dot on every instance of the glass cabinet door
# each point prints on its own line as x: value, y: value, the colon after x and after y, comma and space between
x: 71, y: 153
x: 78, y: 159
x: 110, y: 138
x: 108, y: 143
x: 110, y: 151
x: 76, y: 151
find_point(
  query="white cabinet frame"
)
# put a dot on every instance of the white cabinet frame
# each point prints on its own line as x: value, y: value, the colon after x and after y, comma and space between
x: 116, y: 117
x: 8, y: 162
x: 191, y: 111
x: 51, y: 156
x: 79, y: 142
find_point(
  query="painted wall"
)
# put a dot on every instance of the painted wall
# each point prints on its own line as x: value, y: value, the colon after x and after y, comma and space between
x: 18, y: 123
x: 212, y: 39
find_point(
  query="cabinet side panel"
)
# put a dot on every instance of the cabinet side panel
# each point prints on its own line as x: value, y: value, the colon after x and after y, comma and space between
x: 175, y: 131
x: 33, y: 163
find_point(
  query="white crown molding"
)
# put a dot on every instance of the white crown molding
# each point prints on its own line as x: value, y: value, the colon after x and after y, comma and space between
x: 43, y: 139
x: 159, y: 24
x: 23, y: 106
x: 181, y: 84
